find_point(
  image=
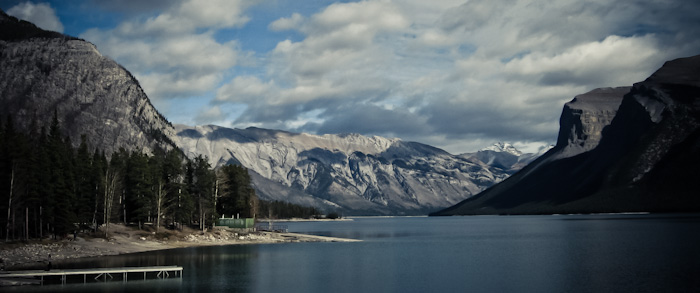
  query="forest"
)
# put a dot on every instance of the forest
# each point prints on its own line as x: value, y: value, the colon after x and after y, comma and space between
x: 49, y: 188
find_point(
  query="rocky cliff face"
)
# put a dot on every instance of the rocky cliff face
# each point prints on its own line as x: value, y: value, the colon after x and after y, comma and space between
x: 642, y: 162
x: 42, y: 72
x: 353, y: 173
x: 583, y: 119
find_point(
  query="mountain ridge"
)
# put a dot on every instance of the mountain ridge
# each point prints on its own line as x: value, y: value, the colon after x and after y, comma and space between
x: 642, y: 161
x: 354, y: 173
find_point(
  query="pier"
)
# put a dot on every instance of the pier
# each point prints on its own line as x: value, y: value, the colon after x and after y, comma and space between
x: 161, y: 272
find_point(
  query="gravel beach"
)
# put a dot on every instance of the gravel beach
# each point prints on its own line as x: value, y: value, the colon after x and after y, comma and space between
x: 21, y: 255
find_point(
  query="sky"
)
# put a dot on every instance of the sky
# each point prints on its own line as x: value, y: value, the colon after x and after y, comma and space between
x: 458, y: 75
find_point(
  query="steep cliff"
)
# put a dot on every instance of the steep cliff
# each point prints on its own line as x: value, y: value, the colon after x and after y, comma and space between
x: 42, y: 73
x: 583, y: 119
x: 353, y: 173
x: 642, y: 162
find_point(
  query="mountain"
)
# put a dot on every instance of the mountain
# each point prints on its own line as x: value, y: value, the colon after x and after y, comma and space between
x: 643, y: 161
x: 43, y: 72
x: 504, y: 157
x: 352, y: 173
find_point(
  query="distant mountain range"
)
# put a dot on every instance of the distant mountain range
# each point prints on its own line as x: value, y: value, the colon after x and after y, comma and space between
x: 504, y: 157
x: 644, y: 161
x: 350, y: 173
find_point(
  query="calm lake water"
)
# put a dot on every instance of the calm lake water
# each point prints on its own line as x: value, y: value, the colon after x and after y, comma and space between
x: 575, y: 253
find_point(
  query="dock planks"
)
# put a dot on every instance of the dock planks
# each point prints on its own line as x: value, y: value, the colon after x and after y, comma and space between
x: 163, y: 272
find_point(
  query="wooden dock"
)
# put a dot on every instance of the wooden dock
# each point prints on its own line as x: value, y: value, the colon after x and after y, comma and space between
x: 163, y: 272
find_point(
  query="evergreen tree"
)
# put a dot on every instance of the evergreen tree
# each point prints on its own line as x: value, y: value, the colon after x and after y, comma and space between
x: 46, y: 198
x: 184, y: 207
x: 173, y: 173
x: 60, y: 155
x: 84, y: 184
x: 33, y: 182
x: 138, y: 188
x: 202, y: 190
x: 237, y: 197
x: 158, y: 185
x: 97, y: 176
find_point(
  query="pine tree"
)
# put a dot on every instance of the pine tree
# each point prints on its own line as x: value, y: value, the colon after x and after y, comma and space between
x: 158, y: 185
x: 173, y: 173
x: 138, y: 187
x: 97, y: 174
x: 84, y: 184
x: 202, y: 189
x: 46, y: 198
x: 61, y: 155
x: 33, y: 182
x: 237, y: 196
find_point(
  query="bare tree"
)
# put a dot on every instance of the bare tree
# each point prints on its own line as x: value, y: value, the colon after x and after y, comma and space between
x: 112, y: 184
x: 160, y: 200
x: 9, y: 204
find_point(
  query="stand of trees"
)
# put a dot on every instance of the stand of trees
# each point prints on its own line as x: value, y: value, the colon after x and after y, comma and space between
x: 284, y: 210
x: 50, y: 188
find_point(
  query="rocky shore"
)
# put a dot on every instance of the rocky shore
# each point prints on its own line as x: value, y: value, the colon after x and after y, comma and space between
x: 122, y: 240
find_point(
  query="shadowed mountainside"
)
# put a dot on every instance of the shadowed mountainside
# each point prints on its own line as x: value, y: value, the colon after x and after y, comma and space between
x: 643, y: 161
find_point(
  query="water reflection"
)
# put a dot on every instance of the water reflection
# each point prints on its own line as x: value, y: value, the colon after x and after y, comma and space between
x: 608, y: 253
x: 219, y: 268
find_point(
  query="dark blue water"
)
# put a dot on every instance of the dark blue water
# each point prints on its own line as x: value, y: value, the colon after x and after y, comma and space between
x: 593, y: 253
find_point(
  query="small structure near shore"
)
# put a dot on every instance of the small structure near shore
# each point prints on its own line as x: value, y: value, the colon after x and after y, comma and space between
x: 244, y: 223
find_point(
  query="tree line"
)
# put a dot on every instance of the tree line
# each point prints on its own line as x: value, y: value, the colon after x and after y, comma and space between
x: 284, y: 210
x: 50, y: 188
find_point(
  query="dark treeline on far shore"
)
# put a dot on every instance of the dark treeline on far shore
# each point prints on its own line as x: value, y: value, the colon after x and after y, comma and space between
x: 284, y: 210
x: 49, y: 188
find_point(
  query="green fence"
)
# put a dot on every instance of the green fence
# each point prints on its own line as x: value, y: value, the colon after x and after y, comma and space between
x: 236, y: 223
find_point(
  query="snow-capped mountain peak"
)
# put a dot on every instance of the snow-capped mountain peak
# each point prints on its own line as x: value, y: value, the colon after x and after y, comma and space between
x: 502, y: 147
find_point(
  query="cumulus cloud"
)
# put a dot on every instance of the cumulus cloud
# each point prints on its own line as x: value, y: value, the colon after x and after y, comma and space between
x: 175, y: 53
x: 41, y: 14
x: 287, y: 23
x: 582, y: 64
x: 456, y: 74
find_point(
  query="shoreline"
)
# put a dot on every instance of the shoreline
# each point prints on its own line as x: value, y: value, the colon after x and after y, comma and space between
x: 124, y: 240
x: 304, y: 220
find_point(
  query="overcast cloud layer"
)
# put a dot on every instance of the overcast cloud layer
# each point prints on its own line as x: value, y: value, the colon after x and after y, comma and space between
x: 454, y: 74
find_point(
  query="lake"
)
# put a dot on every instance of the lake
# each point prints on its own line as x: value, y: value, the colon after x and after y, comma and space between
x: 567, y: 253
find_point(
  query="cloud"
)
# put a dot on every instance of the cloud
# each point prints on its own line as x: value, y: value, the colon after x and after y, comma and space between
x: 210, y: 115
x: 287, y: 23
x: 456, y: 74
x: 373, y: 119
x: 40, y: 14
x: 582, y: 64
x: 176, y: 53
